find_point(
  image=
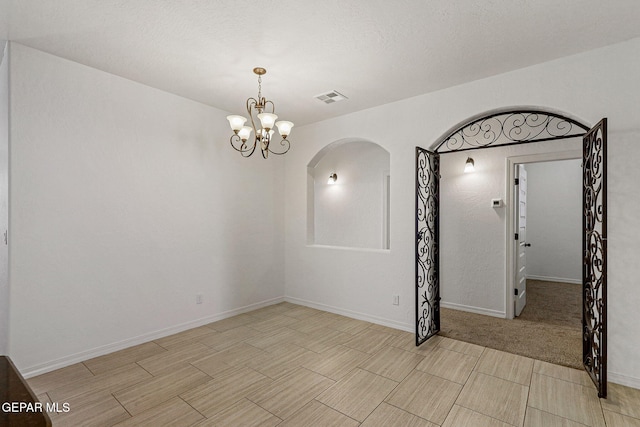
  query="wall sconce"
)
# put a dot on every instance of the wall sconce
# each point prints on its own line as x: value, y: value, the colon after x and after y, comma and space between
x: 332, y: 178
x: 469, y: 166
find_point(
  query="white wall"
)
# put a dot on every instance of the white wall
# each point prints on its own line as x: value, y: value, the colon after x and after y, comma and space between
x: 350, y: 213
x: 589, y: 86
x: 4, y: 197
x: 472, y: 232
x: 554, y: 221
x: 122, y: 207
x: 4, y: 19
x: 125, y: 203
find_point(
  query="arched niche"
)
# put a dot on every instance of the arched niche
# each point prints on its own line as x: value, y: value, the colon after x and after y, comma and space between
x: 353, y: 211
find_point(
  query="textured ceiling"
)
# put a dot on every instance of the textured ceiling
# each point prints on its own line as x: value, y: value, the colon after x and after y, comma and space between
x: 372, y: 51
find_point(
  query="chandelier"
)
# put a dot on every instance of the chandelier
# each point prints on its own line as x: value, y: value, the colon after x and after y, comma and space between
x: 242, y: 141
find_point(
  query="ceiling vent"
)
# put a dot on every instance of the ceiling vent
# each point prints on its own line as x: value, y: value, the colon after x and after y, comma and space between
x: 331, y: 97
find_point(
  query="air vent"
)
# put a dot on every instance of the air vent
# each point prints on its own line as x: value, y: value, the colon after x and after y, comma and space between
x: 331, y: 97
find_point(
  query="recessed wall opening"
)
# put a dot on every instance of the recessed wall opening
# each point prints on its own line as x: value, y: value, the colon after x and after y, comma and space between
x: 349, y: 196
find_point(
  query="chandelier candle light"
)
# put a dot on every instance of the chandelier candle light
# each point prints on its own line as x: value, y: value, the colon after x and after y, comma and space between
x: 242, y: 141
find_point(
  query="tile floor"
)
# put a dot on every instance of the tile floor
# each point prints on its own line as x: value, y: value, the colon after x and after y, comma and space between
x: 290, y: 365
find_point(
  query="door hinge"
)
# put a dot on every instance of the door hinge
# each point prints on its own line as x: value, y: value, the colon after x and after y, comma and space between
x: 516, y: 291
x: 517, y: 181
x: 517, y: 236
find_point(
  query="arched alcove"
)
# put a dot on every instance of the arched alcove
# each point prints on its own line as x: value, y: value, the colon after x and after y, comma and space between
x: 353, y: 210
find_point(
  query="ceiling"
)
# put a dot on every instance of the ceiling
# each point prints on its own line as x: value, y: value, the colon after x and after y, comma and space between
x: 372, y: 51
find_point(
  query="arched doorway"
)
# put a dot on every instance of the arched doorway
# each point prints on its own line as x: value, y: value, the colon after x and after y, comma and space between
x: 511, y: 127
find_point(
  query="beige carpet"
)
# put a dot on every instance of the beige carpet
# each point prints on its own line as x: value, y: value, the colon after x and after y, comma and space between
x: 548, y: 328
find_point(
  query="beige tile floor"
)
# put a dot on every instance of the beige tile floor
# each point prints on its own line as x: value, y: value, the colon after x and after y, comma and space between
x: 290, y: 365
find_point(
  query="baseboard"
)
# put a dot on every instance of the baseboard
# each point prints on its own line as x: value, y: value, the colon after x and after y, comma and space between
x: 141, y: 339
x: 354, y: 314
x: 471, y: 309
x: 623, y: 380
x: 555, y: 279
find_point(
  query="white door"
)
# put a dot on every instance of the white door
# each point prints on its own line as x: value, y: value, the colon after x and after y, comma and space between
x: 521, y: 253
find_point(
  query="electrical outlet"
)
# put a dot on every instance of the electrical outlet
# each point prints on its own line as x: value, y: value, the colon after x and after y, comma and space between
x: 198, y: 298
x: 396, y: 300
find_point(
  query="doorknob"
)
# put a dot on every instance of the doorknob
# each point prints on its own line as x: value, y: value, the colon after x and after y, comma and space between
x: 527, y: 245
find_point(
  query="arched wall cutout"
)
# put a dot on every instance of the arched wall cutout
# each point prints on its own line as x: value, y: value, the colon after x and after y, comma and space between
x: 353, y: 211
x: 336, y: 144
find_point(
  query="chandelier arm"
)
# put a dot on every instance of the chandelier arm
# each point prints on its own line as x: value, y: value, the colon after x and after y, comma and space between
x: 283, y: 143
x: 244, y: 149
x: 254, y: 103
x: 264, y: 145
x: 251, y: 104
x: 273, y: 106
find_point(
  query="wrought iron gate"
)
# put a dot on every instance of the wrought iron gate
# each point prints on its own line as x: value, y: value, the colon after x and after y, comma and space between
x: 512, y: 127
x: 427, y: 256
x: 594, y: 249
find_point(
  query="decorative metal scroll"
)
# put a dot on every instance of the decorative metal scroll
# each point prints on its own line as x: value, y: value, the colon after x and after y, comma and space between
x: 427, y: 256
x: 594, y: 263
x: 510, y: 128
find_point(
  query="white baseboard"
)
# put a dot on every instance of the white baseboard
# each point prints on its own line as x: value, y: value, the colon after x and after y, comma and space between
x: 62, y: 362
x: 471, y: 309
x: 141, y: 339
x: 623, y: 380
x: 354, y: 314
x: 555, y: 279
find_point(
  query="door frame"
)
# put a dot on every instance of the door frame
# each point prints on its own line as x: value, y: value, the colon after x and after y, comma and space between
x: 511, y: 163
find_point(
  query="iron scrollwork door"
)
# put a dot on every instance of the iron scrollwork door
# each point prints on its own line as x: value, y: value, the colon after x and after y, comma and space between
x: 427, y: 256
x: 594, y: 262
